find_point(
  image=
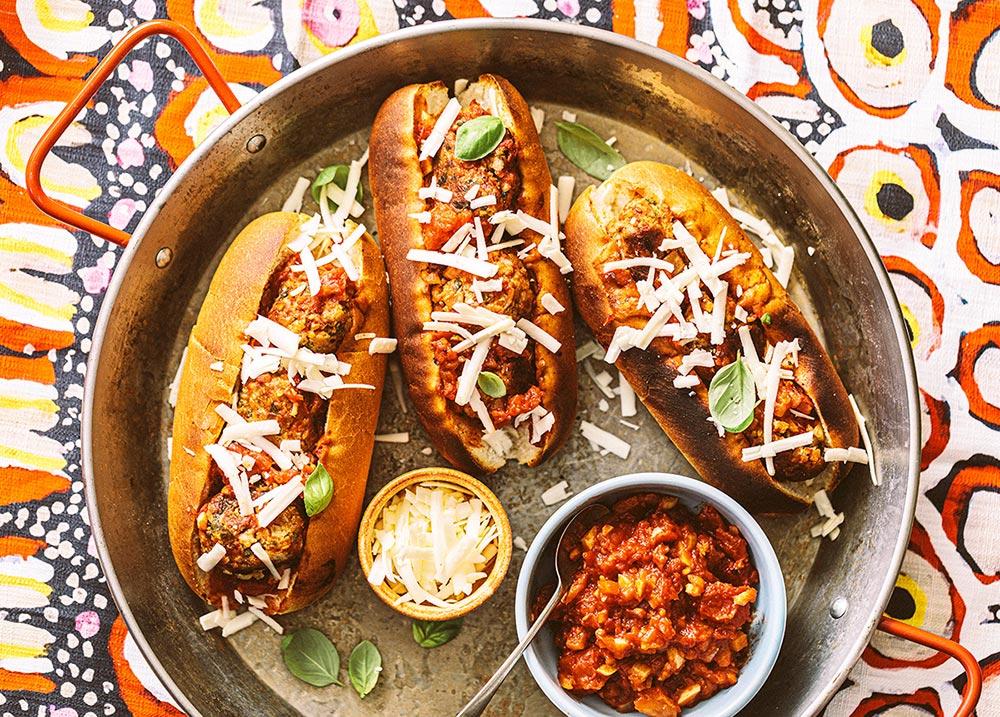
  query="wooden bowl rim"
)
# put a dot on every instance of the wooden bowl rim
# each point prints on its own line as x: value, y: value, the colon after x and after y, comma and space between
x: 501, y: 562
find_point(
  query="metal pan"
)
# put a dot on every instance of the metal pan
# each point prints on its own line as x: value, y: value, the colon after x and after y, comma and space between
x: 660, y: 107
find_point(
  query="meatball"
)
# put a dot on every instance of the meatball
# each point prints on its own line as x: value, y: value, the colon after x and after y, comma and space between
x: 322, y: 321
x: 515, y: 299
x: 272, y: 396
x: 220, y: 522
x: 641, y: 226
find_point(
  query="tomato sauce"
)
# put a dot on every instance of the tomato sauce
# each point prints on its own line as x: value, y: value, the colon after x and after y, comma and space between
x: 656, y: 615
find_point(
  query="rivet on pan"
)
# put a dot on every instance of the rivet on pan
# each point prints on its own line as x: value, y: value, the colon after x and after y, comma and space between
x: 163, y: 257
x: 256, y: 143
x: 838, y: 608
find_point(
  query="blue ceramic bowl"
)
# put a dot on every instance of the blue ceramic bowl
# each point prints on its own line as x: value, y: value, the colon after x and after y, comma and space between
x: 766, y: 630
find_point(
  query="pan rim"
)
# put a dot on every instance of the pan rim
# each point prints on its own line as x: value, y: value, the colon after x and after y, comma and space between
x: 767, y: 122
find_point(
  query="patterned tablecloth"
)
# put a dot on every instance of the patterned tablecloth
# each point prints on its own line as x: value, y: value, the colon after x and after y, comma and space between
x: 898, y: 99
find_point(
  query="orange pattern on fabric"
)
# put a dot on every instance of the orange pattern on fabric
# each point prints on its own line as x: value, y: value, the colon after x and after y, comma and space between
x: 672, y: 13
x: 169, y: 128
x: 14, y: 336
x: 971, y: 347
x: 16, y: 545
x: 466, y: 8
x: 39, y: 370
x: 930, y: 179
x: 878, y: 703
x: 939, y: 414
x: 931, y: 13
x: 899, y: 265
x: 979, y: 473
x: 21, y: 485
x: 920, y: 544
x: 968, y: 248
x: 766, y: 47
x: 971, y: 26
x: 254, y: 69
x: 10, y: 27
x: 136, y: 697
x: 25, y: 682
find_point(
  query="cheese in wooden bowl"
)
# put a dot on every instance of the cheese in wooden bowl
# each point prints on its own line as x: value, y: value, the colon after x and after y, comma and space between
x: 434, y: 543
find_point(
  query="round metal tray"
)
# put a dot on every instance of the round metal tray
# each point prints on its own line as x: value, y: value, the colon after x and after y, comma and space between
x: 659, y: 107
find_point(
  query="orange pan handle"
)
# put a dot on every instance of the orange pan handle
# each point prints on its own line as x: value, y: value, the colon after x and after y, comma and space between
x: 974, y: 684
x: 33, y: 172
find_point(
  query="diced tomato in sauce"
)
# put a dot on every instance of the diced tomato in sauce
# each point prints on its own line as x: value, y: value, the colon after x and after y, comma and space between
x: 657, y: 613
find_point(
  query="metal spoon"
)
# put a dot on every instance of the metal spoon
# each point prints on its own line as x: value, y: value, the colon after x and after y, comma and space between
x: 564, y: 570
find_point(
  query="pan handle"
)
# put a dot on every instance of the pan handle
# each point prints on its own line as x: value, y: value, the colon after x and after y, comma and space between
x: 33, y: 171
x: 974, y: 684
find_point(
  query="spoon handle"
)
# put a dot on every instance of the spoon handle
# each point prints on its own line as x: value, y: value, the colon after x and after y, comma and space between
x: 482, y: 698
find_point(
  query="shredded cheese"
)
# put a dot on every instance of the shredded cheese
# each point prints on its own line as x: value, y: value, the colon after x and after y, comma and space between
x: 689, y: 381
x: 258, y: 550
x: 627, y: 396
x: 471, y: 265
x: 402, y: 437
x: 241, y: 621
x: 294, y: 201
x: 605, y: 440
x: 433, y: 544
x: 842, y: 455
x: 564, y: 188
x: 538, y: 117
x: 540, y: 335
x: 867, y: 440
x: 208, y: 561
x: 265, y: 618
x: 437, y: 136
x: 556, y: 494
x: 382, y: 346
x: 551, y: 303
x: 470, y: 373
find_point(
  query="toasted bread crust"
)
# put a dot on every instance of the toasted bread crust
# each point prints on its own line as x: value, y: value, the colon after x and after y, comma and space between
x: 683, y: 413
x: 396, y: 178
x: 232, y: 302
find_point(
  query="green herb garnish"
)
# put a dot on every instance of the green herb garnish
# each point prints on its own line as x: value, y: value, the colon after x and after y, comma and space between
x: 310, y: 656
x: 337, y: 174
x: 585, y: 148
x: 478, y: 137
x: 318, y: 491
x: 428, y: 633
x: 491, y: 384
x: 732, y: 396
x: 766, y: 319
x: 363, y: 667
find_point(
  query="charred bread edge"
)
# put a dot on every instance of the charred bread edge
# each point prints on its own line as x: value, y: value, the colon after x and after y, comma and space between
x: 396, y: 178
x: 233, y: 300
x: 682, y: 416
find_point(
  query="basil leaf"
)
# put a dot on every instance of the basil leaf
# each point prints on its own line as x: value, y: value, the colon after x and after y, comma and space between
x: 310, y: 656
x: 364, y: 666
x: 337, y: 174
x: 491, y: 384
x: 428, y: 633
x: 318, y: 491
x: 732, y: 396
x: 478, y: 137
x: 585, y: 148
x: 766, y: 319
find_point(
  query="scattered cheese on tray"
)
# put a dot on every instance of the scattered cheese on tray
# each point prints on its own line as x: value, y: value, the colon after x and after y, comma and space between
x: 556, y: 494
x: 403, y: 437
x: 604, y: 440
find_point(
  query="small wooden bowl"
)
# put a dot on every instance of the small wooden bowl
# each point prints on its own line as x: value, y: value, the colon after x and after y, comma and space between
x: 484, y: 589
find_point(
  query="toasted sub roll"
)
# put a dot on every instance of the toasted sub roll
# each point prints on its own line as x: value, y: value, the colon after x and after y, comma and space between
x: 272, y: 344
x: 652, y: 282
x: 491, y: 220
